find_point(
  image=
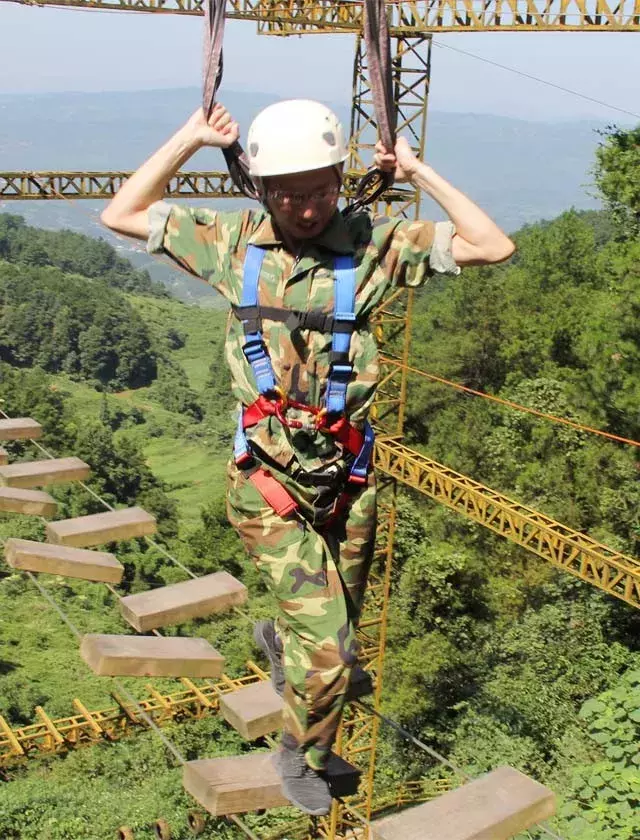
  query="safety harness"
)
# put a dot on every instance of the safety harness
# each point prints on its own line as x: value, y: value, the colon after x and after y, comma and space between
x: 330, y: 418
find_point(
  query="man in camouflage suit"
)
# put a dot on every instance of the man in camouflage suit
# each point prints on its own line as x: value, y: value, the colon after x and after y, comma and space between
x: 315, y: 560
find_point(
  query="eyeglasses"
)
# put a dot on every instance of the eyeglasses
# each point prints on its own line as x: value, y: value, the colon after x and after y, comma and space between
x: 295, y: 199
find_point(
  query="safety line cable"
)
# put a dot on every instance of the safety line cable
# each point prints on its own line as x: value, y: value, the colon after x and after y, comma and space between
x: 65, y: 618
x: 106, y: 504
x: 426, y: 748
x: 536, y: 78
x: 127, y: 694
x: 509, y: 404
x: 45, y: 594
x: 147, y: 539
x: 409, y: 737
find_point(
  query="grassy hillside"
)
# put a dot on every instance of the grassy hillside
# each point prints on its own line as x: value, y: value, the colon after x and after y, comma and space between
x: 188, y: 456
x: 494, y: 656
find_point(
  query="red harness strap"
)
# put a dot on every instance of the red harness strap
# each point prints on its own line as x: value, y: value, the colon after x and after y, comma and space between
x: 274, y: 494
x: 343, y: 431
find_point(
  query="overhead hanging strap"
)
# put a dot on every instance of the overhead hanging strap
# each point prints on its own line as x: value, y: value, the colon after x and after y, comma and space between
x: 378, y: 49
x: 212, y: 76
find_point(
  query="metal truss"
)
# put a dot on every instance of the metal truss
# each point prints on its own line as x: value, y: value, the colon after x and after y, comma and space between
x: 294, y: 17
x: 87, y: 727
x: 615, y: 573
x: 30, y: 186
x: 53, y: 186
x: 358, y: 733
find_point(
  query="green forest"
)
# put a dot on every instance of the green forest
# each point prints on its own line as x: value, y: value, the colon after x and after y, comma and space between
x: 495, y: 656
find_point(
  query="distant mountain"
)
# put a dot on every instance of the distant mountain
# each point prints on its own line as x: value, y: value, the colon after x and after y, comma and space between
x: 519, y: 171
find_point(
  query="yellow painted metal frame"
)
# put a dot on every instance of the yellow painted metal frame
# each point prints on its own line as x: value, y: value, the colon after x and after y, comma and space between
x: 28, y: 185
x: 85, y: 728
x: 291, y: 17
x: 616, y: 573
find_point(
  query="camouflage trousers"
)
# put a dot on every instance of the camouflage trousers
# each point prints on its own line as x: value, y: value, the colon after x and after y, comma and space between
x: 318, y: 579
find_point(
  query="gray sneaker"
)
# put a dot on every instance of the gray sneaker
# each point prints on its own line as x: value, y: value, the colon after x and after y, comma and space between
x: 265, y: 636
x: 303, y: 786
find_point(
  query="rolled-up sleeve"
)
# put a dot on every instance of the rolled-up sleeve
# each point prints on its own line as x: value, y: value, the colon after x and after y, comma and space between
x: 415, y: 251
x: 441, y: 257
x: 158, y: 216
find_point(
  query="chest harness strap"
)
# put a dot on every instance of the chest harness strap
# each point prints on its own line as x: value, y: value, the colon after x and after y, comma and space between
x: 271, y: 401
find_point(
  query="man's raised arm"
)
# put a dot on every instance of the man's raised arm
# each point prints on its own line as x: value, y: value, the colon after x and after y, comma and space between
x: 127, y: 212
x: 478, y: 239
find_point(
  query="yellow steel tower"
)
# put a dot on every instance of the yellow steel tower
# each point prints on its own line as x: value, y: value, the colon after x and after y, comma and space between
x: 412, y: 24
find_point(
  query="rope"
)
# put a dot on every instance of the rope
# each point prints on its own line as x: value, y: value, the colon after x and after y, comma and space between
x: 378, y: 48
x: 106, y: 504
x: 426, y: 748
x: 151, y: 723
x: 181, y: 759
x: 212, y: 67
x: 537, y: 79
x: 509, y: 404
x: 121, y: 688
x: 409, y: 737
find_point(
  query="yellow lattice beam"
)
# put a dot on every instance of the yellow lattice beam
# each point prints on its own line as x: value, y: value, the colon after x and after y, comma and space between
x: 89, y: 727
x: 287, y: 17
x: 51, y: 186
x: 615, y: 573
x: 29, y: 186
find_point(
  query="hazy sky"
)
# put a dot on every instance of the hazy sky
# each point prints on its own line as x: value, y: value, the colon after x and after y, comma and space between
x: 70, y: 49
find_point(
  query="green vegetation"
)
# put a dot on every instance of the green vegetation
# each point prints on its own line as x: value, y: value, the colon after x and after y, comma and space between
x: 72, y: 253
x: 49, y: 320
x: 617, y: 166
x: 494, y: 656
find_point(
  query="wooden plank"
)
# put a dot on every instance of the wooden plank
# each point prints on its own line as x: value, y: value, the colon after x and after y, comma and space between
x: 180, y: 602
x: 43, y: 473
x: 234, y: 785
x: 20, y: 428
x: 99, y: 528
x: 28, y: 502
x: 4, y: 457
x: 254, y: 711
x: 496, y: 806
x: 150, y: 656
x: 62, y: 560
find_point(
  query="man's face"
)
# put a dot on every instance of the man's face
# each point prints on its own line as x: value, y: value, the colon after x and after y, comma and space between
x: 303, y: 204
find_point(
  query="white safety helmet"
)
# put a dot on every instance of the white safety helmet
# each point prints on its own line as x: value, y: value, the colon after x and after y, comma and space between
x: 295, y: 135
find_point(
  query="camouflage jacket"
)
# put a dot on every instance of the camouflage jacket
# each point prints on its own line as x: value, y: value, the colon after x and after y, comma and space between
x: 387, y: 253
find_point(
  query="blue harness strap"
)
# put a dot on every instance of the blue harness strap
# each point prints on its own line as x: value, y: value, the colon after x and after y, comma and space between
x: 241, y: 451
x: 340, y: 370
x: 344, y: 317
x: 360, y: 466
x: 254, y: 347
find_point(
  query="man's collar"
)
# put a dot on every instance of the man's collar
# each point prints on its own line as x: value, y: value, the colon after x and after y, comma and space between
x: 335, y: 237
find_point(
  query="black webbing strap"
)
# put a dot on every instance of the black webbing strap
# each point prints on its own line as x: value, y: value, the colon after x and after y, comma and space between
x: 378, y: 47
x: 294, y: 319
x: 212, y: 66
